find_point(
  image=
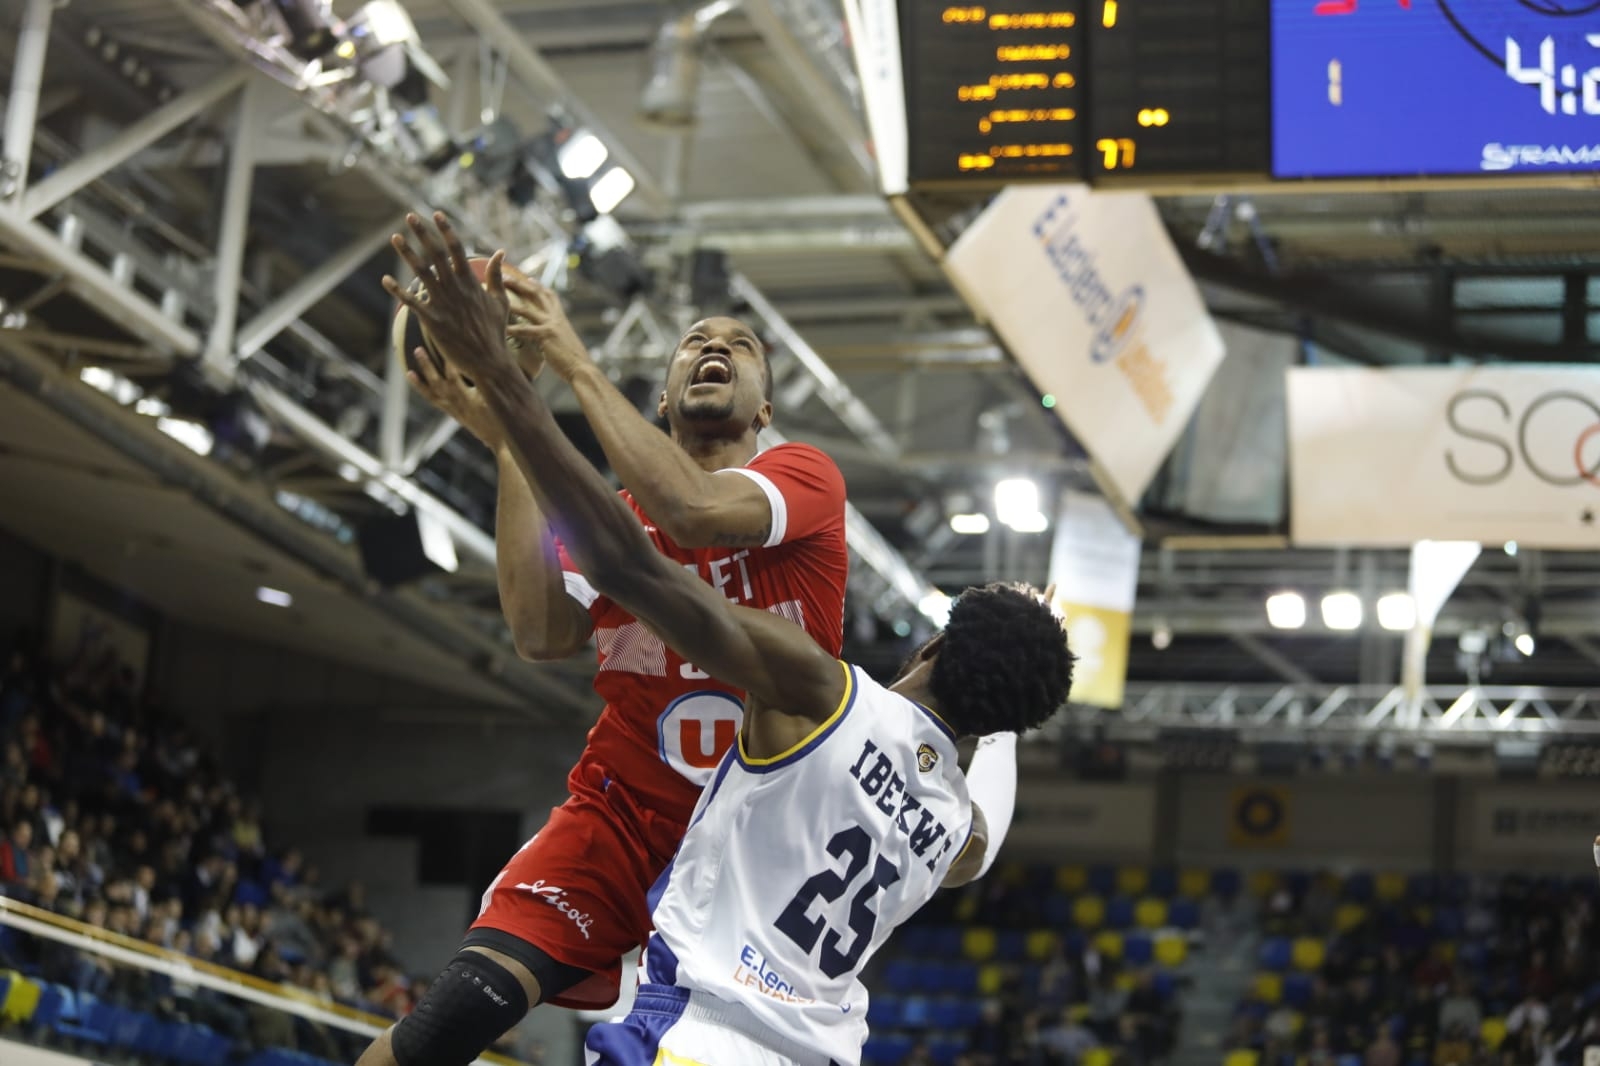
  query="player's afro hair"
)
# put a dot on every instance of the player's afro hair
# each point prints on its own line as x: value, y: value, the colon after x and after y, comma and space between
x: 1004, y: 665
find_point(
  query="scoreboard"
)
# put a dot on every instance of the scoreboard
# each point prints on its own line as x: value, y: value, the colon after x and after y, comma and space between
x: 1233, y: 91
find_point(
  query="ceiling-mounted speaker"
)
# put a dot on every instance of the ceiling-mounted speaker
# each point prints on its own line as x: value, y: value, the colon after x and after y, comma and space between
x: 399, y: 549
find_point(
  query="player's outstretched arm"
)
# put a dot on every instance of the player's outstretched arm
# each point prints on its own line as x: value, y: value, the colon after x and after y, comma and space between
x: 696, y: 508
x: 971, y: 864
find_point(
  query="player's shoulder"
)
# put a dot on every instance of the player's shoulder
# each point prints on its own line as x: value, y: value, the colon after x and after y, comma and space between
x: 795, y: 453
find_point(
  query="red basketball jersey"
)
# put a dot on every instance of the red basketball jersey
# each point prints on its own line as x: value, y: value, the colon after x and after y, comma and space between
x: 666, y: 724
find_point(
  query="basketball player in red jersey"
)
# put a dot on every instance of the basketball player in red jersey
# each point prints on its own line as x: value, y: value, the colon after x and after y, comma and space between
x: 767, y: 530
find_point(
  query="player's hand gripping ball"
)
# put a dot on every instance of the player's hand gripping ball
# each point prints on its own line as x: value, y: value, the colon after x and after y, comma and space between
x: 407, y: 334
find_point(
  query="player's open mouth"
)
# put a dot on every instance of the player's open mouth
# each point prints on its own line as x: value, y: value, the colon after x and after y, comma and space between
x: 711, y: 370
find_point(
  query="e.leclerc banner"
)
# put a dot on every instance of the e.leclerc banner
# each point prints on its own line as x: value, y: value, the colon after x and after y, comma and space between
x: 1488, y: 454
x: 1091, y: 298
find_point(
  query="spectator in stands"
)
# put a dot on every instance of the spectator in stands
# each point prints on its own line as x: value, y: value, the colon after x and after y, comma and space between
x: 1460, y: 1009
x: 1530, y: 1015
x: 1383, y: 1051
x: 16, y: 870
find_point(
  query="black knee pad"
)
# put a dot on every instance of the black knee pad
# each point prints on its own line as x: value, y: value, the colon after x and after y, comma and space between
x: 470, y: 1006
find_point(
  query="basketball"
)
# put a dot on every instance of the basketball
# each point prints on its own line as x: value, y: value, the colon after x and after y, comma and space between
x: 406, y: 334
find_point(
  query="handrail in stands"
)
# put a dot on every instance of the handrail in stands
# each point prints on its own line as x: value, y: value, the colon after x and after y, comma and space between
x: 138, y: 953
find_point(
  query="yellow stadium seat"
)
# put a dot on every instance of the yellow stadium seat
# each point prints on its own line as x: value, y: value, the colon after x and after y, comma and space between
x: 1013, y: 874
x: 22, y: 999
x: 1071, y: 878
x: 1133, y: 880
x: 1263, y: 883
x: 1124, y: 981
x: 990, y: 979
x: 1308, y: 954
x: 1492, y: 1032
x: 1242, y: 1057
x: 966, y: 907
x: 1109, y: 943
x: 1098, y: 1056
x: 1041, y: 945
x: 1391, y: 887
x: 1348, y: 916
x: 1088, y: 912
x: 1194, y: 883
x: 1267, y: 987
x: 1171, y: 950
x: 1079, y: 1012
x: 979, y: 944
x: 1446, y: 950
x: 1151, y: 913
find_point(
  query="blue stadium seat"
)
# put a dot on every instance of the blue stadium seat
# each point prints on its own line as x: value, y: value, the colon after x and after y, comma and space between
x: 1359, y: 887
x: 251, y: 892
x: 916, y: 940
x: 1103, y: 880
x: 1165, y: 985
x: 1058, y: 910
x: 1225, y: 883
x: 1447, y: 922
x: 883, y: 1011
x: 945, y: 1052
x: 1119, y: 913
x: 1164, y: 882
x: 881, y: 1050
x: 902, y: 976
x: 1183, y: 913
x: 1137, y: 949
x: 53, y: 1000
x: 1276, y: 953
x: 959, y: 979
x: 916, y: 1012
x: 1422, y: 888
x: 1074, y: 940
x: 1297, y: 882
x: 1297, y: 989
x: 1013, y: 946
x: 961, y: 1013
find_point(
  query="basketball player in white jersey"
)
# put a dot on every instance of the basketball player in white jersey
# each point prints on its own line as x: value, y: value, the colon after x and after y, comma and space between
x: 840, y: 810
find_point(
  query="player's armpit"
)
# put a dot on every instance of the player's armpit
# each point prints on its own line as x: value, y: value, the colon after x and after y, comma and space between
x: 970, y: 862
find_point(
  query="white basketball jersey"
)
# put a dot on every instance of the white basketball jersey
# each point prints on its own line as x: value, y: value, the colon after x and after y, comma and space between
x: 796, y: 869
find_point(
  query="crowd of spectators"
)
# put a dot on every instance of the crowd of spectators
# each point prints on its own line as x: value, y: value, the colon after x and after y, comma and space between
x: 1452, y: 974
x: 1078, y: 1004
x: 112, y: 813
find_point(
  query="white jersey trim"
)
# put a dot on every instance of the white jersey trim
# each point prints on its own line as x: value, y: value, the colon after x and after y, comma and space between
x: 775, y: 500
x: 578, y: 588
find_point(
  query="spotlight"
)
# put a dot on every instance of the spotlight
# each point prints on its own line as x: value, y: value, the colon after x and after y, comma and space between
x: 1525, y: 644
x: 1286, y: 610
x: 1341, y: 610
x: 1161, y: 636
x: 1397, y: 612
x: 969, y: 524
x: 582, y: 155
x: 1016, y: 504
x: 274, y: 597
x: 1511, y: 548
x: 610, y: 189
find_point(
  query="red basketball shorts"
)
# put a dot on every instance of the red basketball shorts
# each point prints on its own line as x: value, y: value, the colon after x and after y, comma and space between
x: 577, y: 890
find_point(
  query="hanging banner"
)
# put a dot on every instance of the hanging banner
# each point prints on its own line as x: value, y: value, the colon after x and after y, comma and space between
x: 1094, y: 565
x: 1489, y: 454
x: 1091, y: 298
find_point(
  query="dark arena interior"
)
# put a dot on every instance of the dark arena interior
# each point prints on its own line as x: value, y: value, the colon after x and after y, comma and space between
x: 1257, y: 337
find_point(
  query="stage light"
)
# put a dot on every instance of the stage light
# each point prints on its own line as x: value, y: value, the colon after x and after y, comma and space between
x: 1286, y: 610
x: 1161, y: 636
x: 386, y: 22
x: 274, y: 597
x: 1341, y: 610
x: 969, y: 524
x: 1016, y: 504
x: 1525, y: 644
x: 1511, y: 548
x: 191, y: 435
x: 610, y: 189
x: 1397, y: 611
x: 582, y: 155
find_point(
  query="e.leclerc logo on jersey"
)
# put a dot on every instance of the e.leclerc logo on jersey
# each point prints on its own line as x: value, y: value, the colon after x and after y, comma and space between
x: 1114, y: 318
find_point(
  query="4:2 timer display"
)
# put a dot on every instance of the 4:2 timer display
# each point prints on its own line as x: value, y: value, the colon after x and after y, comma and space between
x: 1399, y: 88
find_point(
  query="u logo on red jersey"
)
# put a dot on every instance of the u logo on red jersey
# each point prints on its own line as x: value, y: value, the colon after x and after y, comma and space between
x: 696, y: 731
